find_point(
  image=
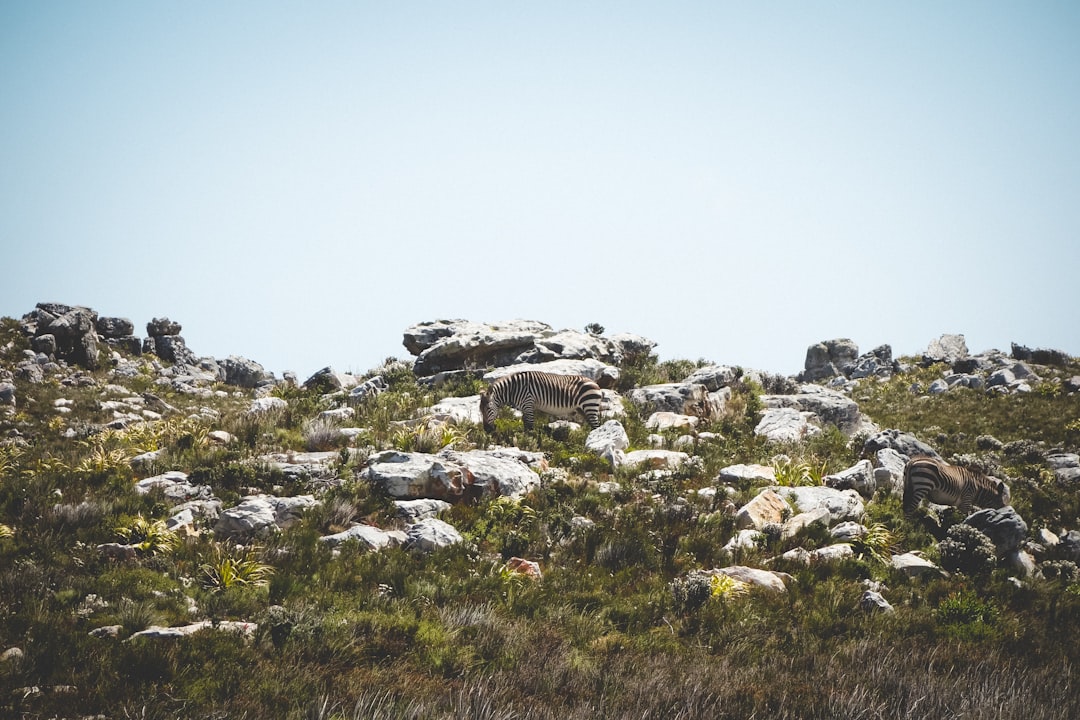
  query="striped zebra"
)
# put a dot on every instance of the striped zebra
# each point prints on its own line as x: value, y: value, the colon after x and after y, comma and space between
x: 532, y: 391
x: 939, y: 482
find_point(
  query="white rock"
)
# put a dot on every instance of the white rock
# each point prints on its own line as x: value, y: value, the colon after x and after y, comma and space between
x: 432, y: 534
x: 912, y: 565
x: 786, y: 425
x: 762, y: 578
x: 265, y: 405
x: 609, y: 436
x: 841, y: 504
x: 766, y: 507
x: 367, y: 535
x: 668, y: 420
x: 752, y: 473
x: 656, y: 459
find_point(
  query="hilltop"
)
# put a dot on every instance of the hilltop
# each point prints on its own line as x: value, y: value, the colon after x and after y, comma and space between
x: 185, y: 536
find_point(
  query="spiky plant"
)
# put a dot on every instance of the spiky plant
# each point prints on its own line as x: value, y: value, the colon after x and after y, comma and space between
x: 224, y: 571
x: 725, y: 587
x: 152, y: 537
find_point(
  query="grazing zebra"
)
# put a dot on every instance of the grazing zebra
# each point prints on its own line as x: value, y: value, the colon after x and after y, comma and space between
x: 939, y: 482
x: 532, y: 391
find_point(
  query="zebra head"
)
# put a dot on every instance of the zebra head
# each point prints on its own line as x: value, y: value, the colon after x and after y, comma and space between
x: 488, y: 410
x: 1001, y: 491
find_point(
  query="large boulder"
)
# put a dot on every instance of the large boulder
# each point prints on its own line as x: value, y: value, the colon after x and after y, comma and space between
x: 66, y: 331
x: 244, y: 373
x: 765, y: 508
x: 786, y: 424
x: 450, y: 475
x: 841, y: 504
x: 261, y: 515
x: 609, y: 437
x: 860, y: 477
x: 828, y: 406
x: 368, y: 536
x: 432, y: 534
x: 450, y: 345
x: 603, y: 374
x: 903, y: 443
x: 1002, y: 525
x: 681, y: 398
x: 827, y: 359
x: 947, y: 349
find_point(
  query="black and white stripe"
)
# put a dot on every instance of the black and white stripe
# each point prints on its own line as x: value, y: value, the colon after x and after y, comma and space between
x: 533, y: 391
x: 939, y: 482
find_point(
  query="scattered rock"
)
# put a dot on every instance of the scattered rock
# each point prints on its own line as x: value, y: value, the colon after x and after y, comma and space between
x: 766, y: 507
x: 160, y: 633
x: 826, y: 359
x: 786, y: 425
x: 432, y: 534
x: 260, y: 515
x: 420, y: 509
x: 841, y: 504
x: 768, y: 579
x: 947, y: 349
x: 912, y: 565
x: 873, y: 601
x: 367, y: 535
x: 1002, y: 525
x: 609, y: 437
x: 859, y: 478
x: 747, y: 474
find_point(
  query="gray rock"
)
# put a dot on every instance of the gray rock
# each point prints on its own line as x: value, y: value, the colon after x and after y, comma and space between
x: 369, y: 536
x: 876, y: 363
x: 330, y: 380
x: 457, y: 410
x: 245, y: 373
x: 162, y: 327
x: 260, y: 515
x: 889, y: 470
x: 947, y: 348
x: 902, y: 442
x: 494, y: 474
x: 1002, y: 525
x: 369, y: 389
x: 415, y: 510
x: 803, y: 520
x: 743, y: 473
x: 786, y: 424
x: 432, y: 534
x: 1068, y: 547
x: 174, y: 485
x: 825, y: 359
x: 828, y: 406
x: 713, y: 377
x: 912, y: 565
x: 610, y: 436
x: 450, y: 475
x: 848, y: 531
x: 113, y: 328
x: 681, y: 398
x: 841, y: 504
x: 768, y: 579
x: 859, y: 477
x: 267, y: 405
x: 655, y: 459
x: 7, y: 394
x: 873, y: 601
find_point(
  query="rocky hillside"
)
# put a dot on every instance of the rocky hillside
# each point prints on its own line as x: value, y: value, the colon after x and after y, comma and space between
x: 186, y: 536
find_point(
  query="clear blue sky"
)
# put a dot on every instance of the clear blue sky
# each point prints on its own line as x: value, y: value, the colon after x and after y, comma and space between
x: 299, y: 182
